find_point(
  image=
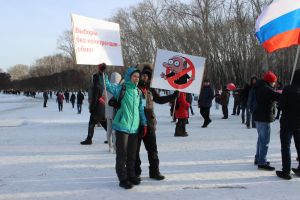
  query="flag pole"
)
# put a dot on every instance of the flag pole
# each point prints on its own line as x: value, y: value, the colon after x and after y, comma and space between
x: 295, y: 63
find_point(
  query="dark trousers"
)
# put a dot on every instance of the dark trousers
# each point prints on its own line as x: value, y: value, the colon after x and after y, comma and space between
x: 243, y: 107
x: 45, y: 103
x: 126, y: 145
x: 285, y: 139
x: 180, y: 129
x: 225, y: 111
x: 79, y: 108
x: 92, y: 124
x: 250, y: 118
x: 236, y: 108
x: 205, y: 112
x: 73, y: 104
x: 192, y: 111
x: 60, y: 106
x: 150, y: 144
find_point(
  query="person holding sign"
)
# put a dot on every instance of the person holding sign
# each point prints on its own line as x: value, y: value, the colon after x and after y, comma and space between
x: 97, y: 105
x: 150, y: 96
x: 129, y: 118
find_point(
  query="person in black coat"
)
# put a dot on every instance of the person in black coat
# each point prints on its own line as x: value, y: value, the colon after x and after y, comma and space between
x: 264, y: 113
x: 224, y: 100
x: 80, y: 99
x: 289, y: 103
x: 97, y: 105
x: 245, y: 98
x: 45, y: 95
x: 205, y: 102
x: 72, y: 99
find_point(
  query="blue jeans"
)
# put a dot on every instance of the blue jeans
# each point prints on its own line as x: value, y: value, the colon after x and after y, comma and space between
x: 262, y: 146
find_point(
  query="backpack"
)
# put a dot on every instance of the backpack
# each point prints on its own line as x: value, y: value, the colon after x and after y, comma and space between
x: 116, y: 103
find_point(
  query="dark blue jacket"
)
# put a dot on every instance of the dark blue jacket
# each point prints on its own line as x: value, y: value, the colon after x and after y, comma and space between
x: 206, y: 96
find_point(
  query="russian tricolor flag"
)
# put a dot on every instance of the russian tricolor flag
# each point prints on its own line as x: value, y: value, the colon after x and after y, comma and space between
x: 279, y: 25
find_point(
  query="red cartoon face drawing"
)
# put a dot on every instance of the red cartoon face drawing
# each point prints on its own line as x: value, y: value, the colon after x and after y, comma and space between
x: 176, y: 64
x: 176, y: 71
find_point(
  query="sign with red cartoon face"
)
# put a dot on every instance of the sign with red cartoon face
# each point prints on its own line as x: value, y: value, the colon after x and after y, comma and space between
x: 175, y: 71
x: 96, y: 41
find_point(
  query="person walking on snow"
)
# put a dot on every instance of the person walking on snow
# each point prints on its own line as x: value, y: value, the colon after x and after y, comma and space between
x: 97, y: 105
x: 45, y: 95
x: 205, y: 102
x: 60, y: 101
x: 80, y: 99
x: 72, y: 99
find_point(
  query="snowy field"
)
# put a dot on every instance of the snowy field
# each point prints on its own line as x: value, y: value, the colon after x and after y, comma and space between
x: 41, y: 158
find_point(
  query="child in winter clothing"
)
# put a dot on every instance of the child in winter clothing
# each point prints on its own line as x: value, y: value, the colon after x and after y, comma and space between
x: 127, y: 121
x: 115, y: 78
x: 182, y: 114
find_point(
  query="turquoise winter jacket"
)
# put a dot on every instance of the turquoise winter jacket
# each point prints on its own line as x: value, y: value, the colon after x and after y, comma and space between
x: 131, y: 113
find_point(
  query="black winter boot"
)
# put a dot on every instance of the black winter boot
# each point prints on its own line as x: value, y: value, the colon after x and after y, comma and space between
x: 157, y: 176
x: 126, y: 184
x: 87, y: 141
x: 134, y: 180
x: 283, y: 175
x: 296, y: 171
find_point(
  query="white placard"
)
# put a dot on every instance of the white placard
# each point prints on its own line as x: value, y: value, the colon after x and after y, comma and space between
x: 177, y: 71
x: 96, y: 41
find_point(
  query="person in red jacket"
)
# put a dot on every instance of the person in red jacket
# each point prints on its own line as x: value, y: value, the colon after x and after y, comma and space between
x: 182, y: 114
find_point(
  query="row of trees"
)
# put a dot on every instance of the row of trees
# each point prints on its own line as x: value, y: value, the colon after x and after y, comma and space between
x: 223, y: 31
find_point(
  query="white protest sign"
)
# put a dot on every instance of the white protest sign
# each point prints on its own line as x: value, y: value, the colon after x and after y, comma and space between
x: 176, y: 71
x: 96, y: 41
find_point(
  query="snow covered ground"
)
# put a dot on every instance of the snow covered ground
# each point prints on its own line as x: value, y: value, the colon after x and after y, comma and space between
x: 40, y: 158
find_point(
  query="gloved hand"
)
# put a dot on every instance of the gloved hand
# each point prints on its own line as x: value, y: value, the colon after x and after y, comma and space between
x: 176, y: 94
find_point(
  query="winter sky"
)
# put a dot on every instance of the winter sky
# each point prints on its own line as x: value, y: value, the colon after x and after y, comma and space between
x: 30, y: 28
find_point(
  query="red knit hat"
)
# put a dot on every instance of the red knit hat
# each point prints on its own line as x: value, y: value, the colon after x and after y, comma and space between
x: 101, y: 67
x: 270, y: 77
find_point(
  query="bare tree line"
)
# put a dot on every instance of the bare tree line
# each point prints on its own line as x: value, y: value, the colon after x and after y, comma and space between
x: 223, y: 31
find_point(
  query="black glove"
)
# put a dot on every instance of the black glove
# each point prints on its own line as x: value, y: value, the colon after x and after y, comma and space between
x: 176, y: 94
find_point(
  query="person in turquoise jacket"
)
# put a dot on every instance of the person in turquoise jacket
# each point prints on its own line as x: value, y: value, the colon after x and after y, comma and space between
x: 129, y: 118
